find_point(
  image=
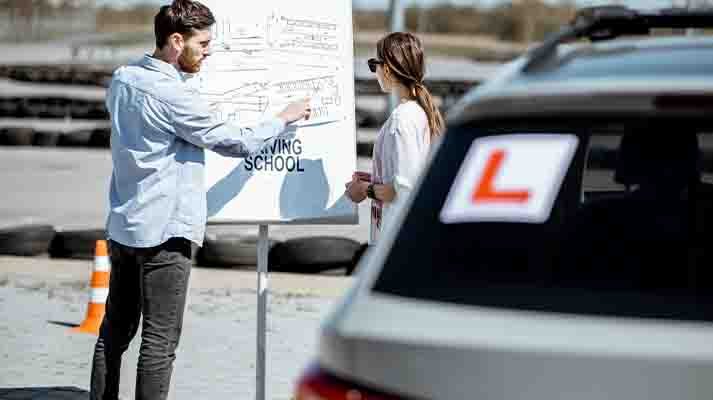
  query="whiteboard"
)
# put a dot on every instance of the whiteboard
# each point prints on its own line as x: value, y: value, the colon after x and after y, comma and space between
x: 264, y: 56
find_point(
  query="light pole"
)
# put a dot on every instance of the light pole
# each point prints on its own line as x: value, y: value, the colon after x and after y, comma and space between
x: 691, y: 5
x: 396, y: 24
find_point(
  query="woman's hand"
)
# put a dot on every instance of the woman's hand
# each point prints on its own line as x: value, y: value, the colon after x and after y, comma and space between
x: 385, y: 193
x: 356, y: 189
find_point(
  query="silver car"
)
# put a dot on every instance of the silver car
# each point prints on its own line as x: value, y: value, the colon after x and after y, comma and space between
x: 559, y: 245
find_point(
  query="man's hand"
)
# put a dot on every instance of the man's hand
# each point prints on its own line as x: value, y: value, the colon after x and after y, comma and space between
x: 296, y: 111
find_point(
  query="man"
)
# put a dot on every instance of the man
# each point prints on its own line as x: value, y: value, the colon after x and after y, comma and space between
x: 157, y: 199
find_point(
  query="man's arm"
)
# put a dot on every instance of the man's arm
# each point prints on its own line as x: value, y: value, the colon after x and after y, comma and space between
x: 194, y: 122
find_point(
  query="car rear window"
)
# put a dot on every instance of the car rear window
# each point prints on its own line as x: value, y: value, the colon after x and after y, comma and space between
x: 623, y: 237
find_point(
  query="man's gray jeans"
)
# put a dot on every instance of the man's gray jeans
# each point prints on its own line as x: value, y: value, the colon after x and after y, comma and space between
x: 152, y: 282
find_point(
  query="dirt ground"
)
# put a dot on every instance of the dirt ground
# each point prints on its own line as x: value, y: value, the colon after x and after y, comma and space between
x: 39, y: 298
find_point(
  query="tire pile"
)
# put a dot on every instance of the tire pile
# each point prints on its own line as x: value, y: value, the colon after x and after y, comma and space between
x: 70, y: 74
x: 27, y: 136
x: 309, y: 255
x: 87, y: 75
x: 59, y: 106
x: 51, y: 107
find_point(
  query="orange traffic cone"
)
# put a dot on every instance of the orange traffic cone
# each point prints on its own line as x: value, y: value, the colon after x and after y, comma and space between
x: 99, y: 291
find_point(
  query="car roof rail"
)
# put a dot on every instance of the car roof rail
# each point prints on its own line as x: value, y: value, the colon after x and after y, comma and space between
x: 608, y: 22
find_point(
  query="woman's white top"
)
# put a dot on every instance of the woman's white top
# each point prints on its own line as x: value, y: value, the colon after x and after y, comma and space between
x: 400, y: 151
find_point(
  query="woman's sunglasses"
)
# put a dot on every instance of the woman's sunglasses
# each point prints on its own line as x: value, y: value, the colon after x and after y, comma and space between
x: 373, y: 62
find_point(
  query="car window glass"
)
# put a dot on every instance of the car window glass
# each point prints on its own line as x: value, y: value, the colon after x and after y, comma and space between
x: 628, y: 234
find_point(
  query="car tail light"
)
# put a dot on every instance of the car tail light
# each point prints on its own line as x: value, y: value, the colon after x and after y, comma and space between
x: 317, y: 384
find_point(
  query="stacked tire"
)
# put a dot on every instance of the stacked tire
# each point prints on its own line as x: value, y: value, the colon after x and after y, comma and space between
x: 26, y: 240
x: 230, y: 251
x: 307, y: 255
x: 76, y: 244
x: 16, y: 136
x: 313, y: 254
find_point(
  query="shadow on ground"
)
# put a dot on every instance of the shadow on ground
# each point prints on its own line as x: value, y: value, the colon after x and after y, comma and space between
x: 44, y: 393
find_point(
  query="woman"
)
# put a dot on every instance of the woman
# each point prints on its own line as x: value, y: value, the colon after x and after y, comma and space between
x: 402, y: 144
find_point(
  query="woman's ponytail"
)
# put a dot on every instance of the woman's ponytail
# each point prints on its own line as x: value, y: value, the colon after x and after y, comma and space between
x: 425, y: 100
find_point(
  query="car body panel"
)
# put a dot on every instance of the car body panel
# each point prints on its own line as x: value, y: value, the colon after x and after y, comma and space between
x: 436, y: 350
x: 581, y: 88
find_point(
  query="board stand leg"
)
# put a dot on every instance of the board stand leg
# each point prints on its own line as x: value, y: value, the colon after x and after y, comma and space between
x: 262, y: 253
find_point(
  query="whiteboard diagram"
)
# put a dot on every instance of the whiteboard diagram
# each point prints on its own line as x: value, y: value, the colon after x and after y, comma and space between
x: 261, y: 60
x: 244, y: 79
